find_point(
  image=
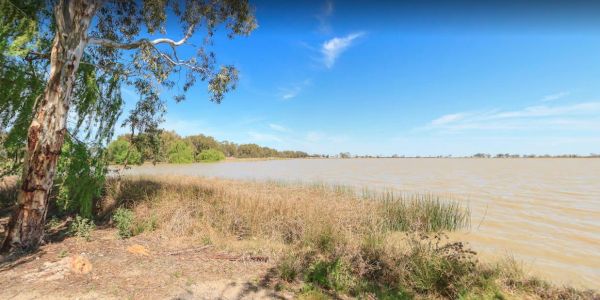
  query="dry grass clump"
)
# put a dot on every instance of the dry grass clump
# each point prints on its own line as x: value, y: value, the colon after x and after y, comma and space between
x: 274, y: 211
x: 8, y: 191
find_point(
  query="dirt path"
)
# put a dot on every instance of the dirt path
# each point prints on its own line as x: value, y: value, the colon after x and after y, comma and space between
x: 143, y: 267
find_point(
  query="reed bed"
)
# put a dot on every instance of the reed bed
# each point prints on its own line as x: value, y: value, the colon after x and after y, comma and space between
x: 279, y: 211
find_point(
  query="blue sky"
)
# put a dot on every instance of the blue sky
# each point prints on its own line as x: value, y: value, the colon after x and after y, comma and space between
x: 412, y: 78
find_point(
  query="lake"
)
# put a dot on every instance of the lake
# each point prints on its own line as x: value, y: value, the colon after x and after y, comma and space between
x: 544, y: 212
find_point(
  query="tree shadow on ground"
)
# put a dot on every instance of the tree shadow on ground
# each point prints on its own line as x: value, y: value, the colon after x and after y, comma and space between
x: 268, y: 282
x: 264, y: 289
x: 123, y: 193
x: 16, y: 259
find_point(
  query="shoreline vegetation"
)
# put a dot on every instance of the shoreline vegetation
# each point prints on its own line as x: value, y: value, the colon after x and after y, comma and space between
x: 319, y: 241
x: 169, y: 147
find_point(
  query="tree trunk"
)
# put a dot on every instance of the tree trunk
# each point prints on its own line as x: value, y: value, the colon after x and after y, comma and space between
x: 46, y: 133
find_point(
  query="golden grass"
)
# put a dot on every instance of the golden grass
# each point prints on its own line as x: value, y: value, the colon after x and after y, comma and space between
x: 334, y: 240
x: 276, y: 211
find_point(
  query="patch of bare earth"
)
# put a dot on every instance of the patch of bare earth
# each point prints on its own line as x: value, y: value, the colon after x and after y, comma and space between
x: 147, y: 266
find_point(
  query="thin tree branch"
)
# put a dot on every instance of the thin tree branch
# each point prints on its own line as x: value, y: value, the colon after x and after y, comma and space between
x: 140, y: 42
x: 177, y: 62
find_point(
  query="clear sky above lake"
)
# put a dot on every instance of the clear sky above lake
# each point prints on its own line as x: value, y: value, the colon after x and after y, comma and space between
x: 408, y: 77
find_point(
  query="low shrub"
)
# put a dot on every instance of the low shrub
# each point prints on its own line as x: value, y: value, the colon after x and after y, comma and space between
x: 129, y: 225
x: 121, y: 151
x: 425, y: 266
x: 310, y: 293
x: 210, y: 155
x: 124, y: 219
x: 180, y: 152
x: 82, y: 227
x: 333, y: 275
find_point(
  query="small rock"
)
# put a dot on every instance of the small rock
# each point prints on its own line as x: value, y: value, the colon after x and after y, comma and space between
x: 80, y: 265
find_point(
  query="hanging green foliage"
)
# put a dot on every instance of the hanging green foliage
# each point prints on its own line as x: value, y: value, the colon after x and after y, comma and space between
x: 80, y: 177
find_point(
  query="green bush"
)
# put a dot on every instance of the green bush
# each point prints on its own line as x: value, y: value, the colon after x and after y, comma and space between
x: 121, y: 151
x: 82, y: 227
x: 331, y: 274
x: 180, y: 153
x: 124, y: 219
x: 210, y: 155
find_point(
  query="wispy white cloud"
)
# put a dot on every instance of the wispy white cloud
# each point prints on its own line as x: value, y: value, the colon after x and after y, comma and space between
x: 555, y: 96
x: 278, y: 127
x: 578, y: 116
x: 324, y: 15
x: 332, y: 48
x: 290, y: 93
x: 584, y: 108
x: 448, y: 119
x: 293, y: 90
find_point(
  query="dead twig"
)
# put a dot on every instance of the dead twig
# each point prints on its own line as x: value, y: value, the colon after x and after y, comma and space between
x: 195, y: 249
x: 223, y: 256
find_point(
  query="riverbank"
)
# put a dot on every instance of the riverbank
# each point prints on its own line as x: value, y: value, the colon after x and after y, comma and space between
x: 518, y: 206
x: 205, y: 236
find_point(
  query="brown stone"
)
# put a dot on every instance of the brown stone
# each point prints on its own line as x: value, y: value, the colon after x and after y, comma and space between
x: 80, y: 265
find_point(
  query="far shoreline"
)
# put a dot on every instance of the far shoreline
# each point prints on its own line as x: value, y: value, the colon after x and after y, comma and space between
x: 254, y: 159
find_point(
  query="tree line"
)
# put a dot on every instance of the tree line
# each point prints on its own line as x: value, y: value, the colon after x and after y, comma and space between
x: 169, y: 147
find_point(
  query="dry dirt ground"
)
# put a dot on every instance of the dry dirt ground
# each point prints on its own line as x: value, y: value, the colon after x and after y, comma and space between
x: 143, y: 267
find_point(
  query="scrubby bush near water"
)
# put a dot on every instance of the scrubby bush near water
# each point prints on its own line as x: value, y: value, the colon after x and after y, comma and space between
x: 122, y: 151
x: 180, y: 153
x: 210, y: 155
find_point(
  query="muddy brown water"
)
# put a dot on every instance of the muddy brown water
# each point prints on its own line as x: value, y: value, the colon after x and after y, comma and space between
x: 543, y: 212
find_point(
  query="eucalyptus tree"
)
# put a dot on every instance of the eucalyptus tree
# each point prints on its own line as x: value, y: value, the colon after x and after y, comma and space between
x: 65, y: 63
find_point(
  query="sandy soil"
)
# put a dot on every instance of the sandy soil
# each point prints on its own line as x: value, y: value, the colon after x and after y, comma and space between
x: 143, y: 267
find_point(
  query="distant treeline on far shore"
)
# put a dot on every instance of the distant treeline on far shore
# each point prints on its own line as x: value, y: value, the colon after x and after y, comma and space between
x: 477, y: 155
x: 170, y: 147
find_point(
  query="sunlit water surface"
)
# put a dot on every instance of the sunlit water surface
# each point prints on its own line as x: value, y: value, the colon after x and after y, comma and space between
x: 544, y: 212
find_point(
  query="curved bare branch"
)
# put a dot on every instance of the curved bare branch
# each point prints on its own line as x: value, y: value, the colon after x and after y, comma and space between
x: 140, y: 42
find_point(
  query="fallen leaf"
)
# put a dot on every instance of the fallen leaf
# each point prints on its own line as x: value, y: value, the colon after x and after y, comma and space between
x: 138, y: 249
